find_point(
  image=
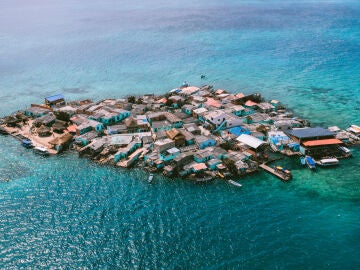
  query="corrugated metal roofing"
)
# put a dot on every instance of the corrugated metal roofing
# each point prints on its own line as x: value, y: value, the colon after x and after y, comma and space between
x: 310, y: 132
x: 322, y: 142
x: 250, y: 140
x: 55, y: 97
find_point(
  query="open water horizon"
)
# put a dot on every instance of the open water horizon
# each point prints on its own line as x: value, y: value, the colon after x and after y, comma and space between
x: 66, y: 212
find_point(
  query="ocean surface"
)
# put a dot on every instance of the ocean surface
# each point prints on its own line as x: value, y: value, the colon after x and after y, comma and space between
x: 68, y: 213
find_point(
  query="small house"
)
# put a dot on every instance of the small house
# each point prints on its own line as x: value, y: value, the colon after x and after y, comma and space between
x: 176, y: 136
x: 55, y: 101
x: 204, y: 141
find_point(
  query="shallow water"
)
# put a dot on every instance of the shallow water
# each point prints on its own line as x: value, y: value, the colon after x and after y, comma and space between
x: 68, y: 212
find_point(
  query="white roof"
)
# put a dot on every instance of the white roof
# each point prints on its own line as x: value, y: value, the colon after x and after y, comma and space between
x: 250, y: 140
x: 200, y: 110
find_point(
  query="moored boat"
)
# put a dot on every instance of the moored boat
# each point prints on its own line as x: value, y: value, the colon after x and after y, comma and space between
x: 286, y: 174
x: 41, y: 150
x: 27, y: 143
x: 310, y: 162
x: 151, y: 177
x: 328, y: 162
x: 232, y: 182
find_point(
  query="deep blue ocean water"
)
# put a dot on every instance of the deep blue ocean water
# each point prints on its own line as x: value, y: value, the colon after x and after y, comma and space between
x: 65, y: 212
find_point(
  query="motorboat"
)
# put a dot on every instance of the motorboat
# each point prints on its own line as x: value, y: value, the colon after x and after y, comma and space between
x: 232, y: 182
x: 310, y: 162
x: 27, y: 143
x: 328, y: 162
x: 151, y: 177
x: 41, y: 150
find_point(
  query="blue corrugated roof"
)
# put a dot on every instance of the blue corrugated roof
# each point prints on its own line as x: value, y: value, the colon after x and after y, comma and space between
x: 310, y: 132
x: 55, y: 97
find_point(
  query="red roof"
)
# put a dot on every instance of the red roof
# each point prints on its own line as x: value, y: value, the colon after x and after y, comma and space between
x: 322, y: 142
x: 72, y: 128
x: 163, y: 100
x: 250, y: 103
x: 200, y: 166
x: 212, y: 102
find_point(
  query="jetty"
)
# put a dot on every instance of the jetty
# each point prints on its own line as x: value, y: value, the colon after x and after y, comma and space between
x: 277, y: 173
x: 197, y: 133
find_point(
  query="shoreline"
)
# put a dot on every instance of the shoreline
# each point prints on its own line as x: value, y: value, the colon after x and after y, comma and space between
x: 198, y: 133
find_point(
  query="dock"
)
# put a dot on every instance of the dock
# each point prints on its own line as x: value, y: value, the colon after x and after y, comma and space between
x: 274, y: 172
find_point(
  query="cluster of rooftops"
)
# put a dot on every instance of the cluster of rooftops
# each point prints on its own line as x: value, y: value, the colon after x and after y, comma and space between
x: 189, y: 131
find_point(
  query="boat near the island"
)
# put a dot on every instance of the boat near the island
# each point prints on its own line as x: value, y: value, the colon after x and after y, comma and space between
x: 232, y: 182
x: 310, y: 162
x: 328, y: 162
x: 27, y: 143
x: 41, y: 150
x: 151, y: 177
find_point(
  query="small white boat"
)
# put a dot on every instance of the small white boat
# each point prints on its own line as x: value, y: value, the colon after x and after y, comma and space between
x: 328, y: 162
x: 151, y: 177
x: 232, y: 182
x: 41, y: 150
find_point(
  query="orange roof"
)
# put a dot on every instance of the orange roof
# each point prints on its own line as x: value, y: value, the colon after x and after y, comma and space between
x: 250, y: 103
x: 322, y: 142
x: 163, y: 100
x: 240, y: 95
x: 212, y: 102
x: 71, y: 128
x: 200, y: 166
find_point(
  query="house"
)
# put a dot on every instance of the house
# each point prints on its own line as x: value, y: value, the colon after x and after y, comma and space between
x: 204, y: 141
x: 189, y: 137
x: 55, y: 101
x: 116, y: 129
x: 163, y: 145
x: 177, y: 101
x: 199, y: 113
x: 124, y: 152
x: 164, y: 121
x: 255, y: 146
x: 251, y: 104
x: 213, y: 103
x: 212, y: 163
x: 47, y: 120
x: 183, y: 159
x: 86, y: 138
x: 169, y: 154
x: 89, y: 125
x: 189, y: 90
x: 36, y: 111
x: 238, y: 110
x: 193, y: 128
x: 66, y: 111
x: 203, y: 155
x: 287, y: 124
x: 188, y: 109
x: 215, y: 118
x: 307, y: 134
x: 176, y: 136
x: 265, y: 107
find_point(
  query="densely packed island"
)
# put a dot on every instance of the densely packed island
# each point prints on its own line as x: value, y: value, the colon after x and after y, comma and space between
x: 199, y: 133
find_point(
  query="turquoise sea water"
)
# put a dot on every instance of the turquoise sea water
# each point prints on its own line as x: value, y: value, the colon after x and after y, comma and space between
x: 65, y: 212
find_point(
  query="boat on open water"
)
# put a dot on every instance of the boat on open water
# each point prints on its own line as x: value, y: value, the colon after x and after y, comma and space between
x: 232, y: 182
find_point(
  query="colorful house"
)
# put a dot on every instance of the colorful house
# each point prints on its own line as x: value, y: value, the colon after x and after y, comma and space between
x: 204, y: 141
x: 169, y: 154
x: 126, y: 151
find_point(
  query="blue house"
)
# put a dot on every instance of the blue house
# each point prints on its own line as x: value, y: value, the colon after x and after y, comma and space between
x: 36, y: 112
x: 203, y: 156
x: 86, y: 138
x: 212, y: 163
x: 126, y: 151
x: 204, y: 141
x: 169, y: 154
x: 88, y: 126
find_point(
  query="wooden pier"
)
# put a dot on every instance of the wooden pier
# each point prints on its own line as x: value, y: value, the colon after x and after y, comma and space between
x: 282, y: 176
